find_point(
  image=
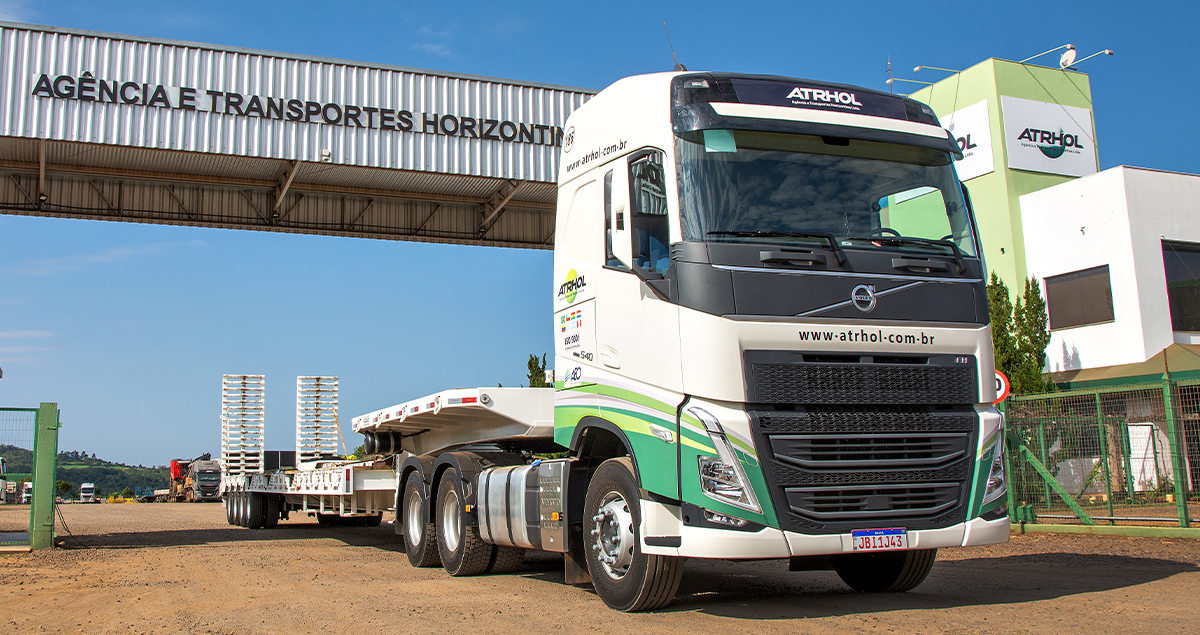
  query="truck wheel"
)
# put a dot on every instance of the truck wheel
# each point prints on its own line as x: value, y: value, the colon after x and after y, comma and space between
x: 256, y: 510
x: 463, y: 552
x: 243, y: 509
x: 885, y: 572
x: 274, y: 502
x: 625, y: 578
x: 420, y: 535
x: 229, y: 508
x: 506, y: 560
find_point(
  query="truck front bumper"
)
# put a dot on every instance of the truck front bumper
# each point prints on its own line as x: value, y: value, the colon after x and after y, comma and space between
x: 703, y: 542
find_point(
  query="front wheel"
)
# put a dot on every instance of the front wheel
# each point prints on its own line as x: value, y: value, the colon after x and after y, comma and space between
x: 624, y: 577
x: 885, y: 572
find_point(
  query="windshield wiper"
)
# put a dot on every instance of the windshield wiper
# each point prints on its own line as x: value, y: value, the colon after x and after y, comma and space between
x: 771, y: 233
x: 900, y: 240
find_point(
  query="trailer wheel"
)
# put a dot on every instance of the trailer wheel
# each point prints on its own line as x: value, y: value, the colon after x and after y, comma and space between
x: 506, y: 560
x: 256, y: 508
x: 229, y: 508
x: 885, y: 572
x: 243, y: 509
x: 624, y: 577
x: 463, y: 552
x: 274, y: 502
x: 420, y: 535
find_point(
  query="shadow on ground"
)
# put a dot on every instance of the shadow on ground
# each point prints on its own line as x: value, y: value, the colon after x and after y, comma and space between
x: 380, y: 537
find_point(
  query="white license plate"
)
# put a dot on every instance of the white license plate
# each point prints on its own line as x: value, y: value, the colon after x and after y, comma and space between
x: 880, y: 539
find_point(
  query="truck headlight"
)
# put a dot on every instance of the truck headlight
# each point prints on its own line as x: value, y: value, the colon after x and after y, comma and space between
x: 722, y: 477
x: 995, y: 484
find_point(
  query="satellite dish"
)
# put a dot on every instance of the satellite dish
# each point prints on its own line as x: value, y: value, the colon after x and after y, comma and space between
x: 1067, y: 59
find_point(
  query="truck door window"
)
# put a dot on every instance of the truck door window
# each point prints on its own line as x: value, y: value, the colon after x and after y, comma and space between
x: 648, y: 211
x: 611, y: 223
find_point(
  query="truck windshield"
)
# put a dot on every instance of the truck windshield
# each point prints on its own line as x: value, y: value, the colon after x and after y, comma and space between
x: 210, y: 476
x: 744, y: 186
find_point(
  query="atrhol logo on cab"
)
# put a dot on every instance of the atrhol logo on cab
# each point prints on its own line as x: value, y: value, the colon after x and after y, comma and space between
x: 1052, y: 144
x: 571, y: 287
x: 827, y: 96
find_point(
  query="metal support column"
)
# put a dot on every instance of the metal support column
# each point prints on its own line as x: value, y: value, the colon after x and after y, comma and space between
x: 1104, y: 450
x: 1177, y: 465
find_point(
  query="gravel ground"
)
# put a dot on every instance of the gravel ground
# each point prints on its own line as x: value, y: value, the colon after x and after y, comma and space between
x: 179, y: 568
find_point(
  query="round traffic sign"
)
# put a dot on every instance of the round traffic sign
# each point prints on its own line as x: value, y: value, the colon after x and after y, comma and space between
x: 1003, y: 386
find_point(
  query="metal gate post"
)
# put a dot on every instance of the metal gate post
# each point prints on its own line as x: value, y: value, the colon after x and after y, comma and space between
x: 1042, y: 447
x: 45, y: 477
x: 1177, y: 468
x: 1104, y: 457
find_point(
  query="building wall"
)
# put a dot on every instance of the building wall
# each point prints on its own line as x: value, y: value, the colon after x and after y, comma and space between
x: 996, y: 195
x: 1118, y: 217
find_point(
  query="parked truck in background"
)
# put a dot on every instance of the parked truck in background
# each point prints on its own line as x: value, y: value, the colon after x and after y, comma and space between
x: 772, y: 341
x: 196, y: 480
x: 87, y: 493
x: 27, y: 492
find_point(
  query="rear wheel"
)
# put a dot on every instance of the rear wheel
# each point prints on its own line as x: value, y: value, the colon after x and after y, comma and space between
x: 624, y: 577
x: 420, y: 535
x: 885, y: 572
x: 506, y: 560
x: 274, y: 503
x: 256, y: 513
x: 229, y: 496
x: 462, y: 551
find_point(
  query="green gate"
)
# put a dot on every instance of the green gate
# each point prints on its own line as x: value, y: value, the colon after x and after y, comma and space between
x: 29, y: 446
x: 1119, y: 456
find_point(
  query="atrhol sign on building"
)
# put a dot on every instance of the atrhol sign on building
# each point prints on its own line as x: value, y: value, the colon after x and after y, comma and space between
x: 376, y: 117
x: 972, y: 130
x: 1049, y: 138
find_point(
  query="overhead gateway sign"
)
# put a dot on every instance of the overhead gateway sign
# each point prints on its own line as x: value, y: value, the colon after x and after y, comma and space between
x: 1049, y: 138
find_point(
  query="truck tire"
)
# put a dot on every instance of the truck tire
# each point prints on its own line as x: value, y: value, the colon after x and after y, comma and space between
x: 229, y: 508
x: 624, y: 577
x: 274, y: 501
x: 506, y: 560
x: 243, y: 509
x: 462, y: 551
x: 885, y: 572
x: 256, y: 510
x: 420, y: 535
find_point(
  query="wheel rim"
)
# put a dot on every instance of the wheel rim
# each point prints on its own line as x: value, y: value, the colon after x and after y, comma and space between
x: 612, y: 535
x: 414, y: 524
x: 450, y: 516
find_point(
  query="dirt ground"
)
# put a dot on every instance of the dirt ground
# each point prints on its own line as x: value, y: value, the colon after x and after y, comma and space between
x: 179, y: 568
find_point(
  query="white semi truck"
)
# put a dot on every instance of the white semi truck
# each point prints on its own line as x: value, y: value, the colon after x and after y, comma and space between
x: 772, y: 341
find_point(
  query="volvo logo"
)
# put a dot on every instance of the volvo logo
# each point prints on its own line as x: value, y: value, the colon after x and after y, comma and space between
x: 863, y: 297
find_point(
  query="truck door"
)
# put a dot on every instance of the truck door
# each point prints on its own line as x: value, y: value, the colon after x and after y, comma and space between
x: 637, y: 337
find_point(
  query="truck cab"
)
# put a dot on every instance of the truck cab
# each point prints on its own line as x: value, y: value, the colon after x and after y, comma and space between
x: 87, y: 493
x: 769, y: 293
x: 27, y: 493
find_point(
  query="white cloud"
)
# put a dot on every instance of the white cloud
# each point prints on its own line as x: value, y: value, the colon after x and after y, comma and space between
x: 434, y: 49
x: 49, y: 266
x: 15, y: 11
x: 24, y: 334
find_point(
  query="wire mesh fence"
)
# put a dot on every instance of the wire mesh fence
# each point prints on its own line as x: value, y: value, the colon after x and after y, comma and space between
x: 17, y: 430
x: 1126, y: 455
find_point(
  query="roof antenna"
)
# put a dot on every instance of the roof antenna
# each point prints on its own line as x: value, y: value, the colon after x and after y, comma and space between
x: 678, y: 67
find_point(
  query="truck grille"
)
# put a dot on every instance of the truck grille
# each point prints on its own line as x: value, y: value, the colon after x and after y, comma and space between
x: 860, y: 443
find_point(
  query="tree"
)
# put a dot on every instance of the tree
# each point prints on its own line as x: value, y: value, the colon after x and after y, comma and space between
x: 128, y: 493
x: 1019, y: 335
x: 537, y: 371
x: 1032, y: 337
x: 1000, y: 307
x: 62, y: 487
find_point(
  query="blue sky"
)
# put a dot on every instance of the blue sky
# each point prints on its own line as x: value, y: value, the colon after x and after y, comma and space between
x: 129, y: 327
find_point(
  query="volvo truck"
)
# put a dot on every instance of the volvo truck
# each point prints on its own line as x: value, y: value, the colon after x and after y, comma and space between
x: 771, y: 342
x: 87, y: 493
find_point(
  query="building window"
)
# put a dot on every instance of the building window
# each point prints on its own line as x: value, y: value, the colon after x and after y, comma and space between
x: 1181, y: 261
x: 1079, y: 298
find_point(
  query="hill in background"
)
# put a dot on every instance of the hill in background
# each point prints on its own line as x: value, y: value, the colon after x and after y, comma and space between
x: 79, y: 467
